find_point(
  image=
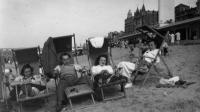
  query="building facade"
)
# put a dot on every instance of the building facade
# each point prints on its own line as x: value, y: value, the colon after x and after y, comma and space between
x: 183, y: 12
x: 187, y: 22
x: 189, y: 29
x: 140, y: 17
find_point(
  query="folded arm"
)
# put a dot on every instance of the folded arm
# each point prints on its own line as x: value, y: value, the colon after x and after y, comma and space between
x: 101, y: 69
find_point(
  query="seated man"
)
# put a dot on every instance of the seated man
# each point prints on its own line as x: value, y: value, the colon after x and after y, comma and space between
x: 126, y: 68
x: 102, y: 72
x: 68, y: 76
x: 35, y: 84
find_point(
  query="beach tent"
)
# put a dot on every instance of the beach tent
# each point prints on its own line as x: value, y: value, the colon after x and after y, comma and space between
x: 52, y: 49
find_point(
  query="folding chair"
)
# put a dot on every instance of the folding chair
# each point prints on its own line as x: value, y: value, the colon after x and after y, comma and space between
x: 28, y: 56
x: 93, y: 53
x: 2, y: 77
x: 160, y: 38
x: 3, y: 91
x: 61, y: 45
x: 4, y: 86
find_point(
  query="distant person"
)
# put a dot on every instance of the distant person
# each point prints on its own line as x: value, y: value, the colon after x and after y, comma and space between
x: 168, y: 37
x: 131, y: 47
x: 178, y: 37
x: 195, y: 37
x: 126, y: 44
x: 140, y: 46
x: 172, y: 38
x: 165, y: 48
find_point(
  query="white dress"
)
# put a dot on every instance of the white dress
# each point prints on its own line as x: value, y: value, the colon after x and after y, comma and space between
x: 126, y: 68
x: 172, y: 38
x: 97, y: 69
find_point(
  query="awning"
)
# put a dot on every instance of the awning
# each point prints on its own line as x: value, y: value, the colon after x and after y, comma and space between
x: 187, y: 21
x: 129, y: 35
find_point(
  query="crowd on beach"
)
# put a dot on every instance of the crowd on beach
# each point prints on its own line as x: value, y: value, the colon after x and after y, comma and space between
x: 171, y: 39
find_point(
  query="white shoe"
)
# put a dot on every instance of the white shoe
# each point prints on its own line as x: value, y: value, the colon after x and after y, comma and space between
x: 128, y: 85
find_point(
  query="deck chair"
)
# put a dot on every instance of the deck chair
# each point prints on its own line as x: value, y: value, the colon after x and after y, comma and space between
x: 93, y: 53
x: 3, y: 92
x: 2, y: 77
x: 61, y: 45
x: 160, y: 39
x: 28, y: 56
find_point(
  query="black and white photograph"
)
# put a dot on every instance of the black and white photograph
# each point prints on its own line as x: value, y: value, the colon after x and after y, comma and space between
x: 99, y: 55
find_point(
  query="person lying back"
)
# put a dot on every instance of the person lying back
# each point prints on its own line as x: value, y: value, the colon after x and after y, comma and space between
x: 126, y: 68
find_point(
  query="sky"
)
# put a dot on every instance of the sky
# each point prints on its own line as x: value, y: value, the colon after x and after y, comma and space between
x: 28, y: 23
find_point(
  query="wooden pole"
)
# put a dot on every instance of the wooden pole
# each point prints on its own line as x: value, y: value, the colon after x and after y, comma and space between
x: 75, y: 49
x: 1, y: 76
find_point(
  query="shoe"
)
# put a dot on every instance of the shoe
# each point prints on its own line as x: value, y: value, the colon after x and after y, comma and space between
x: 64, y: 103
x: 128, y: 85
x: 59, y: 108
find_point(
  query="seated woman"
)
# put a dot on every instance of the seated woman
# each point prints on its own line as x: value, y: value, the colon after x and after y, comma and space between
x: 34, y: 83
x: 68, y: 76
x: 126, y: 68
x: 102, y: 72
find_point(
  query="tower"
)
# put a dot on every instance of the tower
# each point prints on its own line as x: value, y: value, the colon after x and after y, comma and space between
x: 143, y: 8
x: 129, y: 15
x: 137, y: 12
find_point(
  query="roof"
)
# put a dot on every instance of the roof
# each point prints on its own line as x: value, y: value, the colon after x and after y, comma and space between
x: 183, y: 5
x: 187, y: 21
x: 196, y: 19
x: 144, y: 28
x: 129, y: 35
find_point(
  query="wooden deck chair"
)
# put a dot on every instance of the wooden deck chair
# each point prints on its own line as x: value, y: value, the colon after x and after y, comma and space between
x: 28, y: 56
x: 4, y: 85
x: 3, y: 91
x: 2, y: 78
x: 160, y: 38
x: 64, y: 44
x: 93, y: 53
